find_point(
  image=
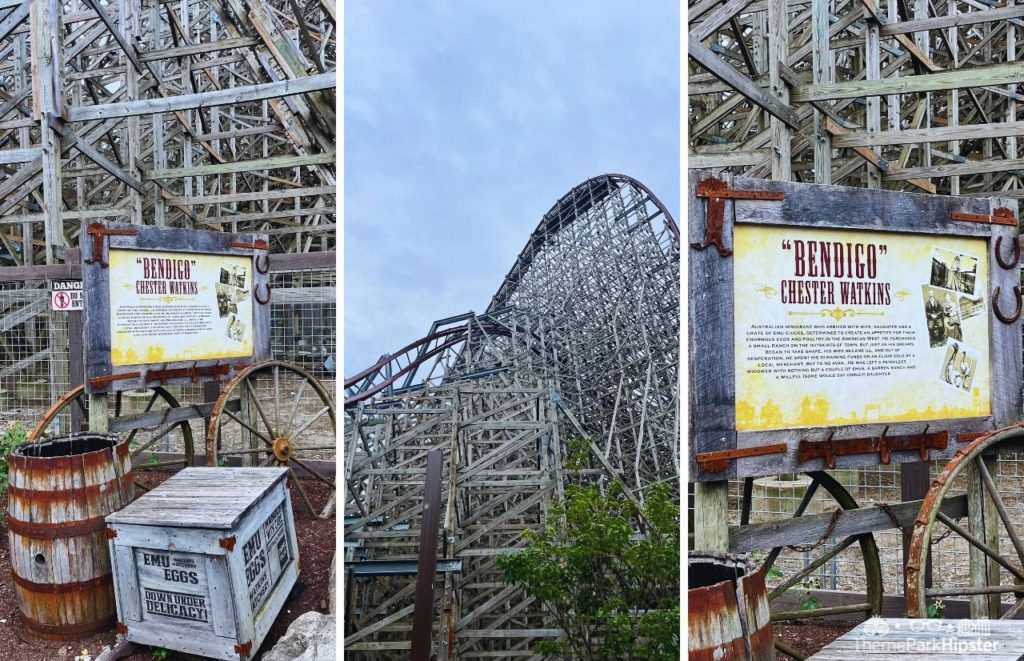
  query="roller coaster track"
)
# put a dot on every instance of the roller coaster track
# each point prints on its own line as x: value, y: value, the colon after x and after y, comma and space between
x: 580, y: 340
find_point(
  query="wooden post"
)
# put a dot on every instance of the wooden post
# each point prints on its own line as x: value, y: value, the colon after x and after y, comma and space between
x: 914, y: 484
x: 983, y: 523
x: 823, y: 73
x: 778, y: 54
x: 76, y: 353
x: 426, y: 567
x: 47, y: 108
x: 711, y: 517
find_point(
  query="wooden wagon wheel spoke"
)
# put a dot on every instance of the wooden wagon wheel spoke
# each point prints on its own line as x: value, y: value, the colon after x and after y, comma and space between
x: 980, y: 545
x: 295, y: 404
x: 255, y: 399
x: 798, y: 512
x: 255, y: 432
x: 810, y: 567
x: 982, y: 584
x: 167, y: 429
x: 1012, y: 613
x: 277, y: 397
x: 862, y: 547
x: 302, y: 430
x: 297, y: 429
x: 149, y: 407
x: 309, y: 470
x: 302, y: 491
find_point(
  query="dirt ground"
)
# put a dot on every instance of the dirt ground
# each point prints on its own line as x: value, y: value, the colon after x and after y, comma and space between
x: 809, y: 638
x: 316, y: 548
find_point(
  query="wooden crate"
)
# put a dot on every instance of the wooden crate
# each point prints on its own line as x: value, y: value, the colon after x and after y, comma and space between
x: 204, y: 562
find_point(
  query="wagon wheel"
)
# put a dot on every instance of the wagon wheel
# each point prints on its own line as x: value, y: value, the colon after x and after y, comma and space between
x: 275, y: 414
x: 872, y: 604
x: 60, y: 418
x: 992, y: 574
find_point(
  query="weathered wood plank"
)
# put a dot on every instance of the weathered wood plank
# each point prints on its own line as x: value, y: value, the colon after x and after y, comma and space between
x: 729, y: 75
x: 222, y: 97
x: 772, y: 534
x: 998, y: 74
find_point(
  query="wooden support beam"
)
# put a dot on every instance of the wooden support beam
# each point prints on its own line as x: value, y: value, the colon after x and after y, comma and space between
x: 729, y: 75
x: 957, y: 20
x: 937, y: 134
x: 998, y: 74
x: 206, y: 99
x: 242, y: 166
x: 717, y: 19
x: 198, y: 49
x: 960, y: 169
x: 14, y: 19
x: 8, y: 156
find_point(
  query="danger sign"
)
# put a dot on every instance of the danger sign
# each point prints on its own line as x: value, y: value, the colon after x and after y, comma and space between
x: 66, y: 295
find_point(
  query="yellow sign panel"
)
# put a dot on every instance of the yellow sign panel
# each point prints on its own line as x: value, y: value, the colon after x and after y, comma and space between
x: 171, y: 306
x: 840, y: 327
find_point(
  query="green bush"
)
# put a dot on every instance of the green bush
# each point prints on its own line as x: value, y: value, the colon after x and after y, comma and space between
x: 608, y: 571
x: 14, y: 434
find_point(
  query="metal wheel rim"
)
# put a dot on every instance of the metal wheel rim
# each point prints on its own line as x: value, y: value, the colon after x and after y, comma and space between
x: 920, y: 541
x: 866, y: 541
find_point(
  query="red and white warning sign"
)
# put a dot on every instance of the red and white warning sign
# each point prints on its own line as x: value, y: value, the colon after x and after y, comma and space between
x: 66, y: 295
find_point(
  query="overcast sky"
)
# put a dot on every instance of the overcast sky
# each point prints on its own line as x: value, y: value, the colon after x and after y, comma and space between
x: 466, y: 121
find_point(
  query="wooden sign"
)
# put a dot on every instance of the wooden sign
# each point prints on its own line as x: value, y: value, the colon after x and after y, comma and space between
x: 174, y: 306
x: 836, y: 327
x: 166, y: 306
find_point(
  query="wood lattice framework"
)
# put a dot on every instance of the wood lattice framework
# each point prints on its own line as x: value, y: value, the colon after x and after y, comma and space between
x: 208, y: 114
x: 581, y: 340
x: 918, y: 95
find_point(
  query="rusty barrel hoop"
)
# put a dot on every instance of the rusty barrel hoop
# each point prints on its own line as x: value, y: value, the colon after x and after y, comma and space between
x: 729, y: 615
x: 59, y: 492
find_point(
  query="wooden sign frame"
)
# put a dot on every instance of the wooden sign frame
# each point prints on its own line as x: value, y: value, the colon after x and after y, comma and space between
x: 717, y: 450
x: 97, y: 239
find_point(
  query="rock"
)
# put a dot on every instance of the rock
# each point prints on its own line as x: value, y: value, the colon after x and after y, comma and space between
x: 311, y: 637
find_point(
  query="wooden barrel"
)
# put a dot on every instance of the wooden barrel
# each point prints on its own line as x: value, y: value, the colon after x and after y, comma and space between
x: 728, y: 611
x: 58, y: 495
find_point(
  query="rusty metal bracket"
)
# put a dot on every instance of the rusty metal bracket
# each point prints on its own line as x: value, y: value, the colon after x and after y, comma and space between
x: 227, y: 543
x: 999, y: 313
x: 99, y: 233
x: 266, y: 264
x: 717, y: 192
x: 256, y: 294
x: 1000, y: 216
x: 101, y: 381
x: 970, y: 437
x: 194, y: 373
x: 259, y: 244
x: 121, y: 627
x: 244, y: 650
x: 884, y: 445
x: 1014, y: 259
x: 111, y: 533
x: 717, y: 461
